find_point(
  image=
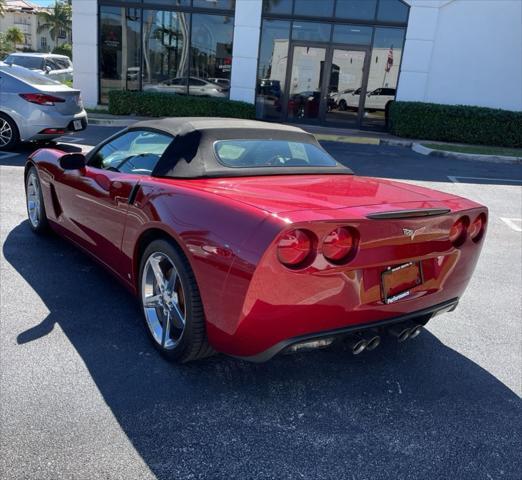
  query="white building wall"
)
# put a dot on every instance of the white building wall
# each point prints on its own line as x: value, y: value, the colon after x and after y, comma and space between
x: 247, y: 31
x: 464, y: 52
x: 85, y: 49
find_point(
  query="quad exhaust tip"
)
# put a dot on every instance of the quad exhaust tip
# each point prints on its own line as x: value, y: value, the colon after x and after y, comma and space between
x: 405, y: 332
x: 360, y: 343
x: 357, y: 344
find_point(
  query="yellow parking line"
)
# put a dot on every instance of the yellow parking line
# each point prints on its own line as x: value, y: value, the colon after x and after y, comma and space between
x: 348, y: 139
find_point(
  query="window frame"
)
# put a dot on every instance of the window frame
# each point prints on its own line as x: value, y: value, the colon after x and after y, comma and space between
x: 141, y: 6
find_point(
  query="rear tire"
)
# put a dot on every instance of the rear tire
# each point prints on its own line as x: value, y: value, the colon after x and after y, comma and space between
x: 9, y: 135
x: 171, y: 303
x: 34, y: 202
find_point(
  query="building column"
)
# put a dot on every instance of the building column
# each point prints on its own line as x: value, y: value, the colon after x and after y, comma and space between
x: 418, y: 48
x: 247, y: 30
x: 85, y: 49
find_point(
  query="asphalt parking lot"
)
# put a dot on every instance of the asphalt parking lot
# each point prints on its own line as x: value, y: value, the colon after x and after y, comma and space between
x: 83, y: 395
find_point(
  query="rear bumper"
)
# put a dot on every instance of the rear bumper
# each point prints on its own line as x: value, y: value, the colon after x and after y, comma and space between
x: 32, y: 131
x: 423, y: 317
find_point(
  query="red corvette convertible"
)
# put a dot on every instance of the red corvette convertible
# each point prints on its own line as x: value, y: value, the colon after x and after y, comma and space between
x: 248, y: 238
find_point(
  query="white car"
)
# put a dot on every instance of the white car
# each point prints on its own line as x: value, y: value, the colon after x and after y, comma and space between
x: 375, y: 100
x: 36, y: 107
x: 58, y: 67
x: 224, y: 82
x: 197, y: 86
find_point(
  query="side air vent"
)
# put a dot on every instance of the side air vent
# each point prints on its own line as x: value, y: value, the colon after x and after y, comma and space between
x: 56, y: 203
x: 421, y: 212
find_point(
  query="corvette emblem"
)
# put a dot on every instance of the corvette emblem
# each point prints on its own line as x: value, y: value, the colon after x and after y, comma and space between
x: 409, y: 232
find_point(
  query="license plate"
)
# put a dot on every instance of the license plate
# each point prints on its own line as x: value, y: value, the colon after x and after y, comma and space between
x: 77, y: 125
x: 397, y: 282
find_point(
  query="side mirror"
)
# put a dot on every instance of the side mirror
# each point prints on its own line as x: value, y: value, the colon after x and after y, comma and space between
x: 47, y: 69
x: 73, y: 161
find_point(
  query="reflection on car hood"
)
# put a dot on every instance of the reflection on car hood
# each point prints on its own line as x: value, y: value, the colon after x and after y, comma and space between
x: 285, y: 193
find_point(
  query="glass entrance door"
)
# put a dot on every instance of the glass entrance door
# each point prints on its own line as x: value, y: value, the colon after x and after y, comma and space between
x: 327, y: 84
x: 305, y: 89
x: 348, y: 78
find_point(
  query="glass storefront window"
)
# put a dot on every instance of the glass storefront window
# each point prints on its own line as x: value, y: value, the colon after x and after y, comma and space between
x: 384, y: 73
x: 166, y: 51
x: 392, y: 11
x: 211, y: 55
x: 314, y: 8
x: 223, y: 4
x: 278, y: 6
x: 356, y: 9
x: 271, y: 74
x: 352, y: 34
x: 170, y: 3
x: 311, y: 31
x: 119, y: 50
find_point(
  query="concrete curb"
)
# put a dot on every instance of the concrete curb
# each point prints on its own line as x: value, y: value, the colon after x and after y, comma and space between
x: 347, y: 139
x: 105, y: 122
x: 417, y: 147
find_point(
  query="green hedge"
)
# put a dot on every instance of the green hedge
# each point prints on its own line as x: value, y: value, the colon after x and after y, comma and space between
x: 153, y: 104
x: 456, y: 123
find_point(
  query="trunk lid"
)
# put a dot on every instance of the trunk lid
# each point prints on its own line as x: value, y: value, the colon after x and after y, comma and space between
x: 289, y: 193
x: 73, y: 103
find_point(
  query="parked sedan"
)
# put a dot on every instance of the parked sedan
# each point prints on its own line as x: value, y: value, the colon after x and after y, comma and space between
x: 59, y: 67
x: 248, y: 238
x: 196, y: 86
x: 35, y: 107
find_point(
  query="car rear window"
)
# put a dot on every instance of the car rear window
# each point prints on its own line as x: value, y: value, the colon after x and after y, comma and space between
x: 271, y: 153
x: 26, y: 62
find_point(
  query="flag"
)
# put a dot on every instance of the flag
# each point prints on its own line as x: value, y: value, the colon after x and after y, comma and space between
x: 389, y: 63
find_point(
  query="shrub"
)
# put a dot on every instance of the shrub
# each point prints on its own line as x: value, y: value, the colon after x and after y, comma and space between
x: 65, y: 49
x: 154, y: 104
x: 456, y: 123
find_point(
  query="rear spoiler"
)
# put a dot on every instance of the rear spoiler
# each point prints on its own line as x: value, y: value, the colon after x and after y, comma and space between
x: 421, y: 212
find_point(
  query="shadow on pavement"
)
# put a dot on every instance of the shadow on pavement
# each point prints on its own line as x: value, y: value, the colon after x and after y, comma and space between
x: 414, y: 410
x: 400, y: 163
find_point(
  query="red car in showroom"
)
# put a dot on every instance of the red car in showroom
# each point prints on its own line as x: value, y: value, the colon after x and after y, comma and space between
x: 248, y: 238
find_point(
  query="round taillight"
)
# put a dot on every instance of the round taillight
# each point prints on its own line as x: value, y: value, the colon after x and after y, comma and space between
x: 295, y: 248
x: 476, y: 229
x: 458, y: 231
x: 340, y: 244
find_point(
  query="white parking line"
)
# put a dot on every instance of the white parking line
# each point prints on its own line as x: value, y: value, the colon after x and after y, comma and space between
x: 455, y: 179
x: 513, y: 223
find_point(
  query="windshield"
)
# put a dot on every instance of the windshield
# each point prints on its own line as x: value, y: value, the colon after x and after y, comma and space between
x: 27, y: 62
x: 28, y: 76
x: 271, y: 153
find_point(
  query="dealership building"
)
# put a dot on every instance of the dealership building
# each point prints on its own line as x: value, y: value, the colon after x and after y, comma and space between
x: 330, y: 62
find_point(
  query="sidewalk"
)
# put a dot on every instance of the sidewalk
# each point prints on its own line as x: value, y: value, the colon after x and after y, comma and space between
x: 343, y: 135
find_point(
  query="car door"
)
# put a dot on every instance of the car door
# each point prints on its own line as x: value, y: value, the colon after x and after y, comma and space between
x: 95, y: 199
x: 197, y: 87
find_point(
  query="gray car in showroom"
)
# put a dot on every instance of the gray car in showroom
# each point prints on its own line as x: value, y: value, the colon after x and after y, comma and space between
x: 35, y: 107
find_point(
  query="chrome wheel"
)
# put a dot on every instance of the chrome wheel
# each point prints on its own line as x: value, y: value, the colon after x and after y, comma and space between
x: 163, y: 300
x: 33, y: 199
x: 6, y: 132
